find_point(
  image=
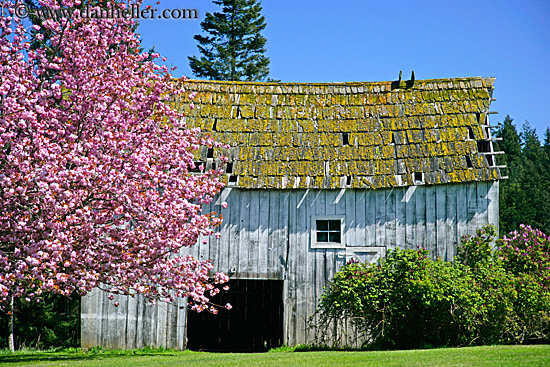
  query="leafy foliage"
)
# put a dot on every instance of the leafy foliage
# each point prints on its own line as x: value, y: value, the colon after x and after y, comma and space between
x: 52, y: 322
x: 234, y: 47
x: 408, y: 300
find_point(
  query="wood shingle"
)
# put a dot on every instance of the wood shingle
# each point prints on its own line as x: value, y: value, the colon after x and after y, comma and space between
x: 348, y: 135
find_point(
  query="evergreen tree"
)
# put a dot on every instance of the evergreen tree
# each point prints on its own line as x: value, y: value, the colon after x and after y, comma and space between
x: 234, y: 48
x: 546, y: 174
x: 535, y: 207
x: 525, y: 196
x: 546, y: 145
x: 511, y: 196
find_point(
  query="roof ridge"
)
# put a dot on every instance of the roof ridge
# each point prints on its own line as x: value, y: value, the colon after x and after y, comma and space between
x: 488, y: 80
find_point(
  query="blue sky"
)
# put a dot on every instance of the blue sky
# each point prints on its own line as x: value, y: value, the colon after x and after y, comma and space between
x: 367, y: 40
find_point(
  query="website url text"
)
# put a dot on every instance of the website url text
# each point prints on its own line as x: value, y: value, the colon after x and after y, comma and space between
x: 134, y: 11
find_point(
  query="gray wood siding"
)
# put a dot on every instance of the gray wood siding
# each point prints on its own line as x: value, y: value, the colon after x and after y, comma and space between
x: 266, y: 235
x: 135, y: 323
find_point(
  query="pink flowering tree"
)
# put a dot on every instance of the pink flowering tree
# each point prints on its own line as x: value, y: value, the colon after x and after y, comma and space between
x: 95, y: 186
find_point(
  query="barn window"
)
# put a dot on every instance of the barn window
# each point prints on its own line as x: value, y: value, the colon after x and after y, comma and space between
x: 327, y: 231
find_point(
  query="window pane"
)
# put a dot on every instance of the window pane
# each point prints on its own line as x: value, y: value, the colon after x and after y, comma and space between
x: 334, y: 237
x: 322, y: 225
x: 322, y: 237
x: 334, y: 225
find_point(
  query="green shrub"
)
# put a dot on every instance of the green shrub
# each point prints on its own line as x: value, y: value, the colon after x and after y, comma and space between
x: 410, y: 301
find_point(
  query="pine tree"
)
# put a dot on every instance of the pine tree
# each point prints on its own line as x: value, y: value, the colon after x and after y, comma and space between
x: 234, y: 48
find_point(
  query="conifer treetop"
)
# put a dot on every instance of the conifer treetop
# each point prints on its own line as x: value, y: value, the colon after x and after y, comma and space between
x: 233, y: 47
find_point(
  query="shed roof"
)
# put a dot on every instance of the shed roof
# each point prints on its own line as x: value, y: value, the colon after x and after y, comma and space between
x: 348, y: 135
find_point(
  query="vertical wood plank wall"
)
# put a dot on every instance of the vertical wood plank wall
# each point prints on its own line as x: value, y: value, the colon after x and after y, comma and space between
x: 266, y: 235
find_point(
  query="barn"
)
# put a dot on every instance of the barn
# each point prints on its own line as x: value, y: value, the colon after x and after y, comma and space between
x: 318, y: 173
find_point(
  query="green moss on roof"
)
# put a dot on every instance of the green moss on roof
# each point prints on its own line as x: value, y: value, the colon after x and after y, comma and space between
x: 291, y: 135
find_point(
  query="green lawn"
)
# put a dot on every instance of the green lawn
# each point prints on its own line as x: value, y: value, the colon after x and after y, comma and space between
x: 532, y: 355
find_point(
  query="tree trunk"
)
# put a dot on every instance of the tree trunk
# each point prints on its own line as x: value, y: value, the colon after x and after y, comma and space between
x: 11, y: 343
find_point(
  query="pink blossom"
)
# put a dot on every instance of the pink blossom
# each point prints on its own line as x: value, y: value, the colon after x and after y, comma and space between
x: 96, y: 139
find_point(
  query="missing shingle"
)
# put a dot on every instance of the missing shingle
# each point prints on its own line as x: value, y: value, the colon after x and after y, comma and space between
x: 469, y: 162
x: 210, y: 153
x: 229, y: 167
x: 233, y: 179
x: 214, y: 127
x: 483, y: 146
x: 471, y: 135
x: 393, y: 137
x: 348, y: 180
x: 345, y: 139
x: 490, y: 160
x: 418, y: 178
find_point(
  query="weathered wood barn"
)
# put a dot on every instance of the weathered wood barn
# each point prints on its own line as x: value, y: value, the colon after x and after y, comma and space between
x: 318, y: 174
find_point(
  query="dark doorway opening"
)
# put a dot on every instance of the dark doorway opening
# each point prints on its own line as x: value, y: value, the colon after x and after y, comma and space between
x: 254, y: 324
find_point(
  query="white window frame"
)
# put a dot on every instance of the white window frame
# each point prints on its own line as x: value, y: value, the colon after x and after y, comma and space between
x: 313, y: 237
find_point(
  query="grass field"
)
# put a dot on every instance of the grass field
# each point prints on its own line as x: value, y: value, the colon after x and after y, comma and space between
x: 532, y: 355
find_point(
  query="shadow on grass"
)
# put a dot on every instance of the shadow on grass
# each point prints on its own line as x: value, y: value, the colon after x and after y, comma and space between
x: 77, y: 354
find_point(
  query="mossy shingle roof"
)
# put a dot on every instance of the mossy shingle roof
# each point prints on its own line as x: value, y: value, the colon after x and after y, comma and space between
x: 348, y: 135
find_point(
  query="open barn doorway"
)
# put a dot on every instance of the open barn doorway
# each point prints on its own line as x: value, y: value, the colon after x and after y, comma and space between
x: 254, y: 324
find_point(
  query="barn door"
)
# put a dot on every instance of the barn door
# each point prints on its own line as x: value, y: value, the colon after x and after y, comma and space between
x: 255, y: 323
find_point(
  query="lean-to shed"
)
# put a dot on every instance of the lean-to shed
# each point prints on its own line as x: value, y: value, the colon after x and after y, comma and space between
x: 319, y: 173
